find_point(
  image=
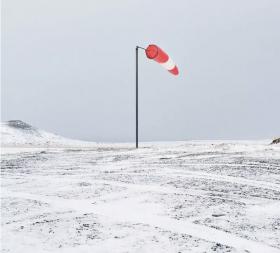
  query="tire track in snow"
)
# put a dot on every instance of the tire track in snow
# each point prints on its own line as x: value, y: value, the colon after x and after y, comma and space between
x: 215, y: 177
x: 146, y: 213
x: 229, y: 179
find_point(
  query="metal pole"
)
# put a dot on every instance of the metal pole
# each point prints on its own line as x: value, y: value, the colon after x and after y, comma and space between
x: 136, y: 96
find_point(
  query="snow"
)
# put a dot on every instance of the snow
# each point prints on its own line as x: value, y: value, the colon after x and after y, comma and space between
x: 20, y: 134
x: 196, y: 196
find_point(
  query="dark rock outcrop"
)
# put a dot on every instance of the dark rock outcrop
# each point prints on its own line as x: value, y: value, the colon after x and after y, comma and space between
x: 275, y: 141
x: 20, y: 124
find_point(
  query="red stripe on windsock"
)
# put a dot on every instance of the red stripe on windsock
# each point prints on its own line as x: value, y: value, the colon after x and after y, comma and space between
x: 174, y: 71
x: 157, y: 54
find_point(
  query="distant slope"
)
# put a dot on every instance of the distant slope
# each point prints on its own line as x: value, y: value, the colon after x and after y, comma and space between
x: 19, y: 133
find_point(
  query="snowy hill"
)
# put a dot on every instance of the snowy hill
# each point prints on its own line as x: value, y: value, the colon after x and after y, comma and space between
x: 19, y: 133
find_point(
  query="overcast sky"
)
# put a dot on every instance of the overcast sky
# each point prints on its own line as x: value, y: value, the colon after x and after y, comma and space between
x: 69, y: 67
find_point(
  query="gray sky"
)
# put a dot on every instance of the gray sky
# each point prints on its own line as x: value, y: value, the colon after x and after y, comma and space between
x: 69, y: 67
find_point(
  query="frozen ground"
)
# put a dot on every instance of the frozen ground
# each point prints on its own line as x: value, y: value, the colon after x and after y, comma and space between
x: 164, y: 197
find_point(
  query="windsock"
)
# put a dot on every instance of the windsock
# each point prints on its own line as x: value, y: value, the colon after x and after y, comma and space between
x: 155, y: 53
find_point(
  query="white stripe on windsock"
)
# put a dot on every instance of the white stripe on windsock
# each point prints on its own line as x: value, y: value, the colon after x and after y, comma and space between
x: 169, y: 64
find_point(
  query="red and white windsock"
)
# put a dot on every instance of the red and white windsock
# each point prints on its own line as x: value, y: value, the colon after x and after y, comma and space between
x: 155, y: 53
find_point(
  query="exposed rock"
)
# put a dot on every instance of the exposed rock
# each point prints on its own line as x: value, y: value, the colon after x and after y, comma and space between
x: 19, y: 124
x: 275, y: 141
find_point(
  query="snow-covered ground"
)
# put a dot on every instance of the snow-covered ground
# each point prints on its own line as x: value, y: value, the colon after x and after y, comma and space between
x: 209, y: 196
